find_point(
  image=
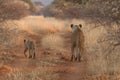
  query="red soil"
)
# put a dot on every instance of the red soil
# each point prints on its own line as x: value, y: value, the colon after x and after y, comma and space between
x: 67, y: 70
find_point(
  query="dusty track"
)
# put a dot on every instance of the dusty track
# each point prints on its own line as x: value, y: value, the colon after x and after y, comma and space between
x: 67, y: 70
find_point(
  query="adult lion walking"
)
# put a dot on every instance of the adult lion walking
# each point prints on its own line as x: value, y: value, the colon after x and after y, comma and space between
x: 77, y: 40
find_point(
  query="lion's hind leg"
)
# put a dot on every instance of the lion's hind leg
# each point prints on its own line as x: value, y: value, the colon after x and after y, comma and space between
x: 25, y: 50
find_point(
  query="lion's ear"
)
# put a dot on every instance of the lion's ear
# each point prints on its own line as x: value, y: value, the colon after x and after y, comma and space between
x: 80, y: 25
x: 71, y: 25
x: 24, y: 40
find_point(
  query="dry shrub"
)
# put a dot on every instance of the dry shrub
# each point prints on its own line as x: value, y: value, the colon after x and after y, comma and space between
x: 42, y: 24
x: 113, y: 61
x: 89, y: 9
x: 15, y: 31
x: 12, y: 9
x: 102, y: 55
x: 52, y: 41
x: 9, y: 35
x: 9, y: 10
x: 5, y: 36
x: 98, y: 63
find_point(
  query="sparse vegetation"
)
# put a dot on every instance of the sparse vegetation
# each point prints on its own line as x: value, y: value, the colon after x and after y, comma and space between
x: 101, y: 26
x: 10, y: 9
x: 102, y: 55
x: 6, y: 57
x: 37, y: 74
x: 53, y: 41
x: 97, y: 9
x: 102, y: 16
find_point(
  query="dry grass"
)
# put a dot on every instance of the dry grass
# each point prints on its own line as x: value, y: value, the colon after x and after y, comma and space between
x: 33, y: 24
x: 52, y: 41
x: 103, y: 58
x: 6, y: 57
x: 37, y: 74
x: 97, y: 65
x: 98, y: 62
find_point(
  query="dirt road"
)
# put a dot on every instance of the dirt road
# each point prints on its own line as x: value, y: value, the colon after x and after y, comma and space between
x: 52, y: 61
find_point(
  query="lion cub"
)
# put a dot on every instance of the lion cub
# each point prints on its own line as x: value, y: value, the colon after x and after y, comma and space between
x: 29, y: 46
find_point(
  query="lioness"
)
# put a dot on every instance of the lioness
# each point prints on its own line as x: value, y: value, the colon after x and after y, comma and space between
x: 77, y: 40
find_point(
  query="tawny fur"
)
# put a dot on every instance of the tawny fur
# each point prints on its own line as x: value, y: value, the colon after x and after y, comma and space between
x: 77, y: 40
x: 29, y: 47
